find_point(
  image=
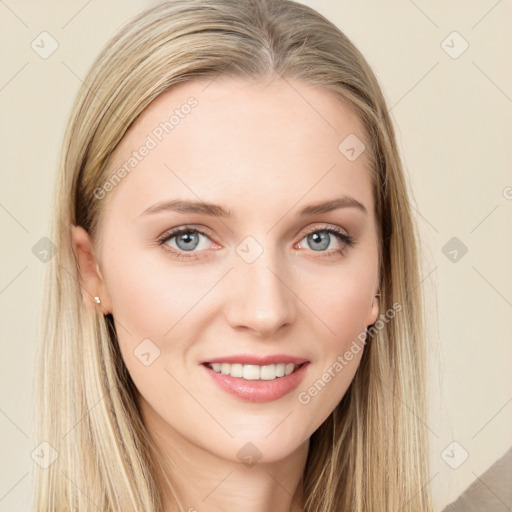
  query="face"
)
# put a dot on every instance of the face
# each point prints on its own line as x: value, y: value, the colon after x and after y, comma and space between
x: 253, y: 277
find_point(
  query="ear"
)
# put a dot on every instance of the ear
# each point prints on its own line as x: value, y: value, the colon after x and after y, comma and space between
x: 91, y: 278
x: 373, y: 313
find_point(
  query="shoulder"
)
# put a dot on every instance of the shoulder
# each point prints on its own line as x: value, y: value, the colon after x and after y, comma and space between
x: 490, y: 492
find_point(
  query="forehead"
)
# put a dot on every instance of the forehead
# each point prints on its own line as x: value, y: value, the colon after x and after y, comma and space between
x: 243, y: 143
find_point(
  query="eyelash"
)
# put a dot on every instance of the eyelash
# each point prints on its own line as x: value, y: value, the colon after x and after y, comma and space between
x: 347, y: 239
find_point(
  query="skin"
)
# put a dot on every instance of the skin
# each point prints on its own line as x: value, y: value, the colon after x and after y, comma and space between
x: 262, y: 150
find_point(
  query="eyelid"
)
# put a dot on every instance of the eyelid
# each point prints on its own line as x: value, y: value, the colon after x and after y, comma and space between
x: 325, y: 227
x: 202, y: 230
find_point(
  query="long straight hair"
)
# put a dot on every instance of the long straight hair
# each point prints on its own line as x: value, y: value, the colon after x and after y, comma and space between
x: 371, y: 453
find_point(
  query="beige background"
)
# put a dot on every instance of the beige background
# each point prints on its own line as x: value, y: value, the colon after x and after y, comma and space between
x: 453, y: 118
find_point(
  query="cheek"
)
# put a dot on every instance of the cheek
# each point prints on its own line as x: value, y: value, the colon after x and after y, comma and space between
x: 148, y: 295
x: 150, y: 301
x: 343, y: 311
x: 341, y: 301
x: 341, y: 298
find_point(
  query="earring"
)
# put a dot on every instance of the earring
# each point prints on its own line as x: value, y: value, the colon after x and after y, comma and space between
x: 97, y: 300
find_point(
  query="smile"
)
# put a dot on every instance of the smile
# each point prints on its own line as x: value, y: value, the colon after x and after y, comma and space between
x: 255, y: 383
x: 254, y: 371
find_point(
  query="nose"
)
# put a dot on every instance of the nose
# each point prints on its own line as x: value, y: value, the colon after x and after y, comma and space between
x: 260, y: 299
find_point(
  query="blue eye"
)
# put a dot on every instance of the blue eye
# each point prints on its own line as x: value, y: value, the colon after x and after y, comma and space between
x: 187, y: 240
x: 320, y: 238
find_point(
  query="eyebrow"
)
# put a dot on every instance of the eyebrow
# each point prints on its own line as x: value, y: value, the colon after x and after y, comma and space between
x: 183, y: 206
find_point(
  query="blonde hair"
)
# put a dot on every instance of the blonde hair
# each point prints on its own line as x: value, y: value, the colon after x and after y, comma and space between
x: 371, y: 454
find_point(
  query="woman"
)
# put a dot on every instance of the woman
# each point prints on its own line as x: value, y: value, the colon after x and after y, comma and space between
x: 234, y: 316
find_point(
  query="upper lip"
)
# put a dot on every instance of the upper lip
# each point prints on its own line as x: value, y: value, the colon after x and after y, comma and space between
x: 258, y: 359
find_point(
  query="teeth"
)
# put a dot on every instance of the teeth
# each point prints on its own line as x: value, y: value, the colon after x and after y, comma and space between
x: 253, y: 371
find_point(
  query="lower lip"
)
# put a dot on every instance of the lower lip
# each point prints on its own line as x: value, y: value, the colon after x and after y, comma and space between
x: 259, y: 390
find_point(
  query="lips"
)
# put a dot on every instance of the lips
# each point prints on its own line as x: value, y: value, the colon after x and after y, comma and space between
x: 258, y: 390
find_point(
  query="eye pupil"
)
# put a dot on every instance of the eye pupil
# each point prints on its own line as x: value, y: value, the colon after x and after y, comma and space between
x: 188, y: 237
x: 321, y: 240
